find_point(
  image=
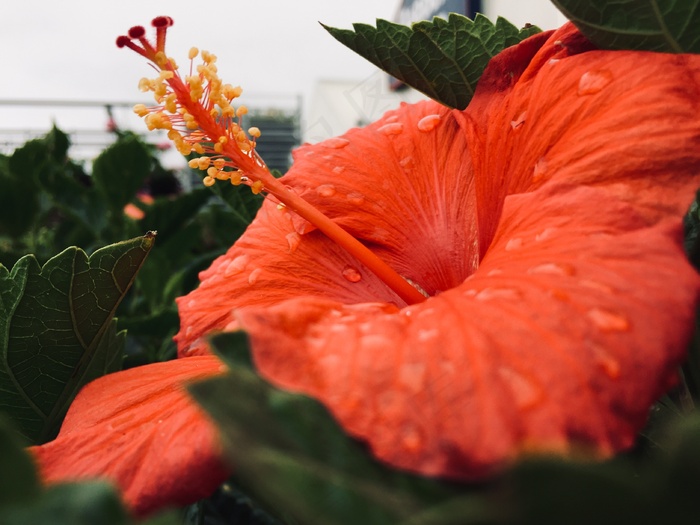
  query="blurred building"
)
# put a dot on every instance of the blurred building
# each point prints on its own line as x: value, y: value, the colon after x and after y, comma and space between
x: 338, y: 105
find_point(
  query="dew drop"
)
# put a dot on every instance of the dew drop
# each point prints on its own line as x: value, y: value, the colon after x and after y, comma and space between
x: 254, y: 276
x: 236, y: 266
x: 326, y: 190
x: 293, y: 240
x: 608, y: 321
x: 493, y: 273
x: 608, y: 364
x: 540, y: 170
x: 428, y: 334
x: 411, y: 440
x: 595, y: 285
x: 335, y: 143
x: 191, y: 303
x: 560, y: 269
x: 406, y: 162
x: 519, y: 120
x: 428, y: 123
x: 393, y: 128
x: 514, y: 244
x: 339, y: 169
x: 355, y: 197
x: 526, y: 393
x: 592, y: 82
x: 497, y: 293
x: 412, y: 376
x: 547, y: 233
x: 352, y: 274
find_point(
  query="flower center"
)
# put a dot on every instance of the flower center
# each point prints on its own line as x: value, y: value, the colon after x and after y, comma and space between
x: 198, y: 114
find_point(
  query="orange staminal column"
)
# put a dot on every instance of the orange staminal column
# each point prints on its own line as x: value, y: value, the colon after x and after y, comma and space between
x: 198, y: 113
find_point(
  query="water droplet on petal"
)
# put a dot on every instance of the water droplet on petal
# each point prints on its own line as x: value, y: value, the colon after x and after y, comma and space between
x: 561, y: 269
x: 293, y: 239
x: 547, y: 233
x: 428, y: 123
x: 608, y: 321
x: 236, y: 266
x: 254, y: 276
x: 339, y: 169
x: 514, y: 244
x: 595, y: 285
x: 494, y: 272
x: 592, y: 82
x: 540, y: 170
x: 411, y: 439
x: 335, y: 143
x: 519, y: 120
x: 607, y: 363
x: 412, y: 375
x: 355, y: 197
x: 352, y: 274
x: 393, y: 128
x: 326, y: 190
x: 498, y: 293
x: 427, y: 335
x: 406, y: 162
x: 526, y: 392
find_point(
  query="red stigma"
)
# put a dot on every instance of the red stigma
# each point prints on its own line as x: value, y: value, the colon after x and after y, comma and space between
x: 137, y: 32
x: 123, y: 41
x: 162, y: 21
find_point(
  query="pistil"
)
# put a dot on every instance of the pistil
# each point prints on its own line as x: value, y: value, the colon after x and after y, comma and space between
x: 199, y: 117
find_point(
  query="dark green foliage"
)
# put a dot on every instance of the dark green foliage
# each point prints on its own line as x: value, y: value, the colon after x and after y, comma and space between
x: 443, y: 59
x: 670, y: 26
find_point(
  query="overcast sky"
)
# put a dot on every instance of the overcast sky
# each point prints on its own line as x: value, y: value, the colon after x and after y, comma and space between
x: 277, y: 49
x: 66, y: 50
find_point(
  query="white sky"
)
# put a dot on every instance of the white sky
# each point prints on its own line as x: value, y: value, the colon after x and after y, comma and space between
x: 66, y: 50
x: 274, y: 49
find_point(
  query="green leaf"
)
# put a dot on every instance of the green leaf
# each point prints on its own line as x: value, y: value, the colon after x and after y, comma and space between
x: 292, y: 456
x: 57, y: 330
x: 670, y: 26
x: 443, y: 59
x: 18, y: 482
x: 121, y: 170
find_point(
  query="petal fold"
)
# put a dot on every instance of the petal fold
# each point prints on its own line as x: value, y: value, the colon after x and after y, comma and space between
x: 140, y: 430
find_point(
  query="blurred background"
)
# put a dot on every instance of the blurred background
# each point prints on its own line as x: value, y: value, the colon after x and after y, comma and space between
x: 61, y: 65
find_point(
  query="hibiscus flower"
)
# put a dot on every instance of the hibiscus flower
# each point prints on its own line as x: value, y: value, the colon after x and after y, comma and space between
x: 542, y: 226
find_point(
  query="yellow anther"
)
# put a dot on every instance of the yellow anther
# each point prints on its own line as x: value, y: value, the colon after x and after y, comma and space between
x: 257, y: 187
x: 240, y: 136
x: 193, y: 53
x: 192, y: 124
x: 171, y: 103
x: 219, y: 164
x: 184, y: 148
x: 193, y: 163
x: 145, y: 84
x: 230, y: 92
x: 141, y: 110
x: 203, y: 162
x: 254, y: 132
x: 174, y: 135
x: 228, y: 111
x: 161, y: 89
x: 218, y: 147
x: 208, y: 57
x: 161, y: 59
x: 223, y: 139
x: 236, y: 178
x: 208, y: 181
x: 212, y: 172
x: 198, y: 148
x: 166, y: 75
x: 223, y: 175
x: 242, y: 110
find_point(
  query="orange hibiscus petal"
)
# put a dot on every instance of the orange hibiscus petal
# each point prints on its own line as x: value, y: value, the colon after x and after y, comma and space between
x: 139, y: 429
x: 574, y: 324
x: 410, y: 185
x: 548, y: 233
x: 625, y: 120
